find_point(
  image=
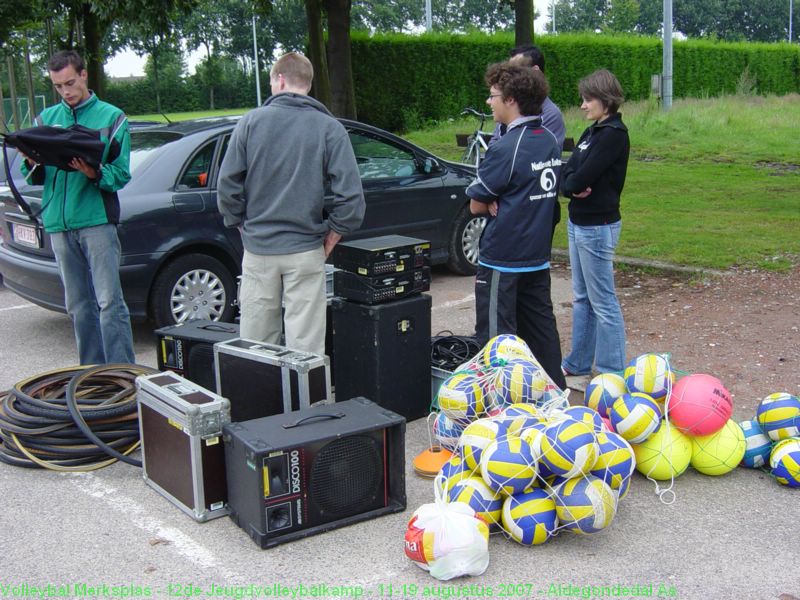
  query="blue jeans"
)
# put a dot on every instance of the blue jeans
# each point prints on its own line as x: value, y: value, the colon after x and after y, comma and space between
x: 88, y: 262
x: 598, y: 330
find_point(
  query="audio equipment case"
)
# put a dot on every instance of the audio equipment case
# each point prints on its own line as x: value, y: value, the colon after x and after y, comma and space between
x: 291, y: 476
x: 183, y: 457
x: 188, y: 348
x: 382, y: 255
x: 383, y: 353
x: 263, y: 379
x: 374, y: 290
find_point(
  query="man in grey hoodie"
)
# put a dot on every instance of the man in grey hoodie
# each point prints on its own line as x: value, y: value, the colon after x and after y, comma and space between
x: 271, y: 187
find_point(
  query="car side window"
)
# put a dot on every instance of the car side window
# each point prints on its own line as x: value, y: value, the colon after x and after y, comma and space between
x: 196, y: 174
x: 378, y: 159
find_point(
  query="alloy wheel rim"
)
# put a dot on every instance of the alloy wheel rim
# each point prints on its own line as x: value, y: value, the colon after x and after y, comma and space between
x: 470, y: 239
x: 198, y: 294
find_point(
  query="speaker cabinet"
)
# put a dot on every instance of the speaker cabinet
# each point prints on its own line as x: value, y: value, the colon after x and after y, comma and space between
x: 188, y: 349
x: 383, y: 353
x: 303, y: 473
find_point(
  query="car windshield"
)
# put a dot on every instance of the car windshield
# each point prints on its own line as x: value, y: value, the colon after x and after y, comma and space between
x: 143, y: 143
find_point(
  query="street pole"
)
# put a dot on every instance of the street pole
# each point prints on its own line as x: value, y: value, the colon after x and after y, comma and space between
x: 666, y: 77
x: 554, y: 16
x: 428, y: 16
x: 790, y: 21
x: 255, y: 63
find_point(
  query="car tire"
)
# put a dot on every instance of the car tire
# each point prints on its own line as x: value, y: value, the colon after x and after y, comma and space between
x: 193, y: 286
x: 464, y: 240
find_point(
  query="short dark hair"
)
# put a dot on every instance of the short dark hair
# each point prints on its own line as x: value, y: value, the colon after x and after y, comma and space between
x: 603, y: 86
x: 525, y: 85
x: 64, y: 58
x: 531, y: 52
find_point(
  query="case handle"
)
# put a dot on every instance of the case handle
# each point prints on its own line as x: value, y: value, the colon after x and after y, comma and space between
x: 291, y: 424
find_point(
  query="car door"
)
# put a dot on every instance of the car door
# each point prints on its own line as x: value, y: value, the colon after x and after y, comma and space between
x: 401, y: 197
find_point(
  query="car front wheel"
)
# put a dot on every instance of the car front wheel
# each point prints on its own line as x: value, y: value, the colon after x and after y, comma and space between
x: 193, y: 286
x: 464, y: 241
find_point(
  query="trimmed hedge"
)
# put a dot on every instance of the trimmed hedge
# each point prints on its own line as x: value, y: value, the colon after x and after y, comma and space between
x: 404, y: 81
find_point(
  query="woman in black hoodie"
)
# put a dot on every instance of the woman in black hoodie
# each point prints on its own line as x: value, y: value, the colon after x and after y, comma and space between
x: 593, y: 180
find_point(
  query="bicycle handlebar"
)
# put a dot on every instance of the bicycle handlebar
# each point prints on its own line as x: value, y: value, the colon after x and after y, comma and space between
x: 472, y: 111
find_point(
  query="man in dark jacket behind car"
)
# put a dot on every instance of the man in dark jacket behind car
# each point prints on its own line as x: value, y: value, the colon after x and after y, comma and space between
x: 272, y: 186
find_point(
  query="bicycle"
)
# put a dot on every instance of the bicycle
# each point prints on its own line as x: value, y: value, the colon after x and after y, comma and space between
x: 477, y: 142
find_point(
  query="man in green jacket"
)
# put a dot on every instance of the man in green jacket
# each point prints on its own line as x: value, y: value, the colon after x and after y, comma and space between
x: 80, y: 211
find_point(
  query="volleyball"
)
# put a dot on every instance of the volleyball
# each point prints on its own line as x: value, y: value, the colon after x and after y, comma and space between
x: 521, y: 416
x: 530, y: 517
x: 519, y: 381
x: 569, y: 448
x: 758, y: 445
x: 585, y: 504
x: 503, y: 348
x: 454, y: 470
x: 508, y: 465
x: 603, y: 390
x: 586, y: 415
x: 446, y: 431
x: 635, y: 416
x: 476, y: 437
x: 473, y: 491
x: 785, y: 462
x: 779, y: 416
x: 649, y: 374
x: 615, y: 461
x: 720, y: 452
x: 461, y: 397
x: 665, y: 454
x: 699, y: 404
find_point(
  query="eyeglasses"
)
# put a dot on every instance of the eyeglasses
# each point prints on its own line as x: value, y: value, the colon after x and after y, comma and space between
x: 490, y: 96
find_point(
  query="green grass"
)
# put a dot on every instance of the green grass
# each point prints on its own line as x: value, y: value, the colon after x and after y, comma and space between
x: 184, y: 116
x: 714, y: 183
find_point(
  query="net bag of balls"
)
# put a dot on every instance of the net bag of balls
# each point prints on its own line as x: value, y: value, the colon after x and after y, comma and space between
x: 447, y: 539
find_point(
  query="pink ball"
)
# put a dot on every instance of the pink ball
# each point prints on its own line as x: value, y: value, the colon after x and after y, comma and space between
x: 607, y: 423
x: 699, y: 404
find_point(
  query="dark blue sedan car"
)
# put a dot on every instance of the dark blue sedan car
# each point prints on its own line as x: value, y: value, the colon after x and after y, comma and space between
x: 178, y: 260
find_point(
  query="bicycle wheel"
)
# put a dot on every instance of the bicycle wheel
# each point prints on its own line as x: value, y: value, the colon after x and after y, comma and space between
x: 469, y: 153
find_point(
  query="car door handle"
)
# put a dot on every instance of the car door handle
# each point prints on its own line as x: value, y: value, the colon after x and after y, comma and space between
x: 188, y: 203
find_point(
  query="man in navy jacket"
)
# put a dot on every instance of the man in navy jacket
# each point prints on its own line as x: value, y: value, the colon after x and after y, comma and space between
x: 516, y: 187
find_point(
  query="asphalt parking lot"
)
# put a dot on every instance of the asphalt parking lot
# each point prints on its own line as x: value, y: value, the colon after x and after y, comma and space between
x: 105, y: 534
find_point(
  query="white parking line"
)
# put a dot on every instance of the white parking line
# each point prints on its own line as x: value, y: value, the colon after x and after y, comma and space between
x: 17, y: 307
x: 452, y: 303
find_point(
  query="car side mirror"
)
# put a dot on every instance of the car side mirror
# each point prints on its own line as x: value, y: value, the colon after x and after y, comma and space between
x: 429, y: 165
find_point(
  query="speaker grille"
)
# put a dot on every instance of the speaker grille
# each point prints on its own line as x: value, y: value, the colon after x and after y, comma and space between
x: 347, y: 477
x: 200, y: 366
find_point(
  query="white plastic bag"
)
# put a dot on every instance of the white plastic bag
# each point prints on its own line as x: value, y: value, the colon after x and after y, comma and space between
x: 447, y: 538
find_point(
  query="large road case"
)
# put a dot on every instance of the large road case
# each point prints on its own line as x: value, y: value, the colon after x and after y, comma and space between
x: 263, y: 379
x: 183, y: 457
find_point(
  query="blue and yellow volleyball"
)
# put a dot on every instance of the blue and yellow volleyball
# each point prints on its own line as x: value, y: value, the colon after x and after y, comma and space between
x: 508, y: 465
x: 454, y: 470
x: 446, y: 431
x: 650, y: 374
x: 785, y: 462
x: 476, y: 438
x: 474, y: 492
x: 758, y: 445
x: 615, y: 462
x: 520, y: 381
x: 779, y: 416
x: 585, y: 504
x: 569, y: 448
x: 521, y: 416
x: 586, y: 415
x: 503, y: 348
x: 530, y: 517
x: 461, y: 397
x: 603, y: 390
x: 635, y: 417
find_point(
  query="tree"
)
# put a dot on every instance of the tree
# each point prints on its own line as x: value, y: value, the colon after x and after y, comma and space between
x: 621, y: 16
x: 579, y: 15
x: 318, y: 54
x: 651, y: 16
x: 340, y: 64
x: 523, y: 22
